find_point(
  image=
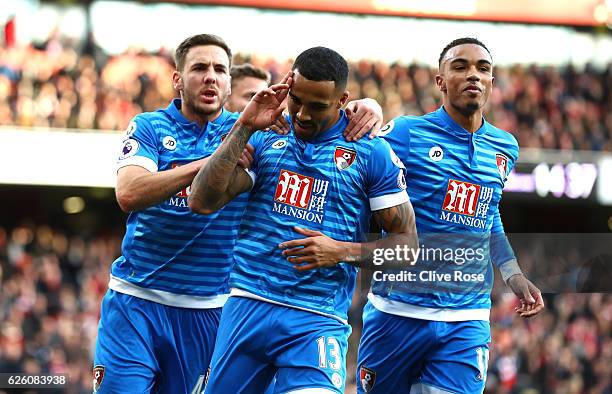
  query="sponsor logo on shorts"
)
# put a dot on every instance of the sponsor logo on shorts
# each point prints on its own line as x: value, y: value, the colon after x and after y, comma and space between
x: 367, y: 378
x: 98, y: 376
x: 336, y: 380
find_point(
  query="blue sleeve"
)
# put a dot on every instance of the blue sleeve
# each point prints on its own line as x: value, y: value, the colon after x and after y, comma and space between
x: 386, y: 178
x: 397, y: 134
x: 140, y: 145
x: 501, y: 251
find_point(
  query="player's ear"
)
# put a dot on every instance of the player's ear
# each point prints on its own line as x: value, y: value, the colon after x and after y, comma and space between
x: 343, y: 99
x: 177, y: 81
x: 441, y: 83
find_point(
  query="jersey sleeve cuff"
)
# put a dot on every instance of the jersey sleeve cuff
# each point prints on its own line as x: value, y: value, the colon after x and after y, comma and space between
x: 140, y: 161
x: 388, y: 200
x: 252, y: 175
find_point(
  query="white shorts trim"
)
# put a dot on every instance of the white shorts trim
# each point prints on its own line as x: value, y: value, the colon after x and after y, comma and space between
x: 315, y: 390
x: 234, y: 292
x: 421, y: 388
x: 388, y: 200
x: 167, y: 298
x: 399, y: 308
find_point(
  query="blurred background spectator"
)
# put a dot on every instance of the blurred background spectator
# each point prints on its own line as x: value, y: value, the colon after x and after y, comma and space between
x: 54, y: 86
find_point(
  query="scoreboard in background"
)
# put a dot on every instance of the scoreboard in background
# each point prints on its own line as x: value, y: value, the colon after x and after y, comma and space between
x: 560, y: 175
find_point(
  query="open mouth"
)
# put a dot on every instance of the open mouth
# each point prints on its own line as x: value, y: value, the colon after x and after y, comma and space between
x: 209, y: 95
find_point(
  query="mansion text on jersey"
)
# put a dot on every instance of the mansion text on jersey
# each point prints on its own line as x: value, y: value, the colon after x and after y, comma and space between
x: 462, y: 219
x: 298, y: 213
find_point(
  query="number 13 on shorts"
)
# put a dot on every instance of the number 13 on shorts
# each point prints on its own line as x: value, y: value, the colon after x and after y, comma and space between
x: 329, y: 353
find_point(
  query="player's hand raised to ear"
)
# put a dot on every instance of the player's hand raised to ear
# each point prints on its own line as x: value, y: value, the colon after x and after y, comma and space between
x: 266, y: 106
x: 317, y: 250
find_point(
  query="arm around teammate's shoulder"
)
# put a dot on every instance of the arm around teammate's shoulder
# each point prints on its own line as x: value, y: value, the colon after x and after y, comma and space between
x: 138, y: 188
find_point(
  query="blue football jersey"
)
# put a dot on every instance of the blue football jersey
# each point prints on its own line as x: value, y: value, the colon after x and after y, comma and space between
x: 329, y: 185
x: 455, y: 180
x: 169, y: 254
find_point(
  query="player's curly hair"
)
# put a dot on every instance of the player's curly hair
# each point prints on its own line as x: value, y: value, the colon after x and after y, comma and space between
x: 199, y: 39
x: 322, y: 64
x: 461, y: 41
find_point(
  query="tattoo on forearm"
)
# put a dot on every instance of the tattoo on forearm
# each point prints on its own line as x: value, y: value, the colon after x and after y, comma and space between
x: 395, y: 219
x: 216, y: 176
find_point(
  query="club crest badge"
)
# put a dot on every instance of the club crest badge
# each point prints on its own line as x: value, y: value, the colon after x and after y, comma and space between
x: 502, y: 165
x: 367, y: 378
x: 344, y: 157
x: 98, y: 376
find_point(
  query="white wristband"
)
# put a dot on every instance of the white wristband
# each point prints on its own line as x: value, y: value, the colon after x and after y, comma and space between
x: 509, y: 268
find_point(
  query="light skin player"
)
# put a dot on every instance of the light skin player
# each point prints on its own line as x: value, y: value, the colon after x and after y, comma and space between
x: 247, y: 80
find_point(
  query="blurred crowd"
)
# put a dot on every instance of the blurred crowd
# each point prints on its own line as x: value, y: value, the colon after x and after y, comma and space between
x: 51, y: 284
x: 53, y: 85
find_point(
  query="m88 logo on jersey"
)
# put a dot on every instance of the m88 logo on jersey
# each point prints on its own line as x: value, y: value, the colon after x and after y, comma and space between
x: 461, y: 197
x: 466, y: 203
x: 300, y: 196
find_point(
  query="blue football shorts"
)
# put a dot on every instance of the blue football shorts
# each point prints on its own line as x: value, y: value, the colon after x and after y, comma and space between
x: 146, y: 347
x: 404, y: 355
x: 258, y: 341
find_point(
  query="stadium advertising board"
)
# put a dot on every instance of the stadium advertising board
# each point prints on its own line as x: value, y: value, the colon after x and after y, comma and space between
x: 563, y: 12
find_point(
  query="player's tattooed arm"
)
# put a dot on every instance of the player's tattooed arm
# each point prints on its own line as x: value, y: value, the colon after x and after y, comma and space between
x: 318, y: 250
x: 400, y: 223
x: 220, y: 180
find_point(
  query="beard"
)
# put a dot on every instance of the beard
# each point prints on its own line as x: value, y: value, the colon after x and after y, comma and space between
x: 192, y: 101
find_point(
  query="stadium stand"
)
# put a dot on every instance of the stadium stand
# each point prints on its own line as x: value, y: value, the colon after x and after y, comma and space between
x: 54, y: 86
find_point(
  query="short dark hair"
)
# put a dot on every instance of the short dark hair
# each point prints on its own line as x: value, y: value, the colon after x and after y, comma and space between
x: 461, y: 41
x: 248, y: 70
x: 322, y: 64
x: 195, y: 41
